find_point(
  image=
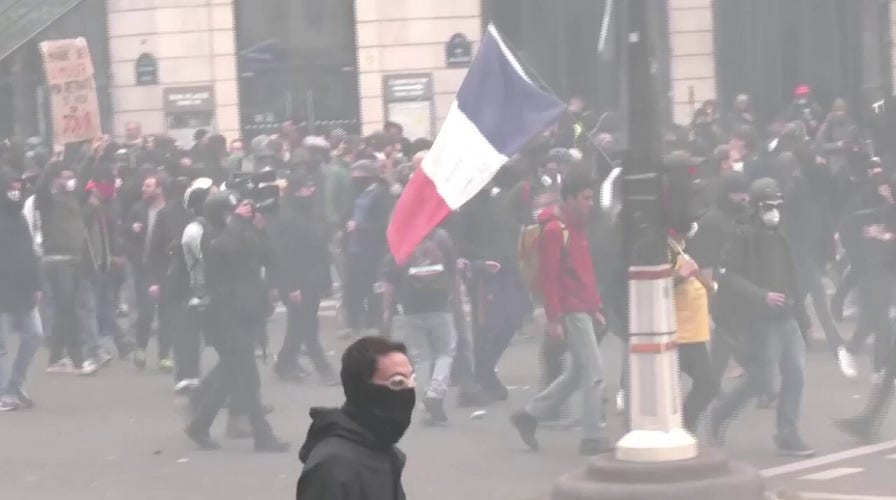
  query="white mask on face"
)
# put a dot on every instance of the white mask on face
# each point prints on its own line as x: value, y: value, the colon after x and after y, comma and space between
x: 738, y: 166
x: 693, y: 231
x: 14, y: 195
x: 71, y: 184
x: 771, y: 218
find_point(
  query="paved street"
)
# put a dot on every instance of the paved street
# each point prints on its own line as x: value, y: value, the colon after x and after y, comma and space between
x: 117, y: 436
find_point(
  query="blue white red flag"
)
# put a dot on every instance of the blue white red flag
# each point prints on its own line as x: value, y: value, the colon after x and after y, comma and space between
x: 497, y: 111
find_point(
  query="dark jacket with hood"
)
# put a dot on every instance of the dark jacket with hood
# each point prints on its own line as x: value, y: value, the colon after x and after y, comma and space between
x: 344, y: 461
x: 19, y: 274
x: 166, y: 260
x: 757, y: 260
x: 236, y: 263
x: 62, y: 219
x: 719, y: 224
x: 300, y: 242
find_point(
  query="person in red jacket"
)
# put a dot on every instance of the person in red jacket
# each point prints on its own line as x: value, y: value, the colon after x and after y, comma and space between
x: 571, y: 301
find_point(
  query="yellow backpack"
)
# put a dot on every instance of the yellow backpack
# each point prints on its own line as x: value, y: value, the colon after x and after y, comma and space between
x: 529, y: 256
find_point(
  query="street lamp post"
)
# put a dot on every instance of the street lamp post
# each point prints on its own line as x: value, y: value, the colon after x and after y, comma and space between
x: 657, y: 459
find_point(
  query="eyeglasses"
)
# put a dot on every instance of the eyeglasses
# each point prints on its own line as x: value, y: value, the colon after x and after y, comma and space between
x: 769, y: 205
x: 400, y: 382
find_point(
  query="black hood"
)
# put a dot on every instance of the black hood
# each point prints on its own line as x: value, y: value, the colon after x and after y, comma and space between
x: 334, y: 422
x: 732, y: 182
x: 217, y: 208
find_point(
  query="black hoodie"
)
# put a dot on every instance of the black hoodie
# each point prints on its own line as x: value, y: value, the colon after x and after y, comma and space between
x: 19, y: 272
x: 343, y: 461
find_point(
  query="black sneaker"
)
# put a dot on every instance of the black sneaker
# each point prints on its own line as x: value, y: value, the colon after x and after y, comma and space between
x: 24, y: 398
x: 591, y: 447
x: 856, y: 427
x: 202, y: 440
x: 271, y: 445
x: 793, y: 447
x: 526, y: 425
x: 435, y: 412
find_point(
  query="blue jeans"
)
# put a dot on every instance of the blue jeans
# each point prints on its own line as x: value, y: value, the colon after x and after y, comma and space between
x: 585, y: 372
x: 432, y: 342
x: 88, y: 315
x: 28, y: 325
x: 776, y: 344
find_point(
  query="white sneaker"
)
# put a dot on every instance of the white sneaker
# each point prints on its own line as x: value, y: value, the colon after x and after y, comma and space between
x: 88, y: 367
x: 847, y: 363
x: 9, y: 403
x: 186, y: 385
x: 103, y: 358
x: 64, y: 365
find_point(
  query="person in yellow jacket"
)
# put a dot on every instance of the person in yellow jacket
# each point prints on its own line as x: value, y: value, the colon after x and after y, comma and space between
x: 692, y: 293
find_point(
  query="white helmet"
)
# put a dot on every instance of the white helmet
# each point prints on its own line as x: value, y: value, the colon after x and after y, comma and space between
x: 195, y: 195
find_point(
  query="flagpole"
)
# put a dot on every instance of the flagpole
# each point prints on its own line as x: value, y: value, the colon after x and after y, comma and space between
x: 657, y: 458
x: 528, y: 69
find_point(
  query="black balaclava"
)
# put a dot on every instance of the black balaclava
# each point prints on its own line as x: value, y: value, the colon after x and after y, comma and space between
x: 382, y: 411
x: 733, y: 182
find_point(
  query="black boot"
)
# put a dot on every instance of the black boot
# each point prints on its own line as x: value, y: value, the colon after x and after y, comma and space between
x: 866, y: 426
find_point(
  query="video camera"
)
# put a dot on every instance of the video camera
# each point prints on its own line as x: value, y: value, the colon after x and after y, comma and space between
x: 259, y: 187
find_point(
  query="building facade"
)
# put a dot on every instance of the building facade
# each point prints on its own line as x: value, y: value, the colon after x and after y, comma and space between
x: 193, y: 47
x: 243, y: 66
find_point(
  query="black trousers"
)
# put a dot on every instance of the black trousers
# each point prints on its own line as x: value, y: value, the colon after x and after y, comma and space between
x: 66, y: 281
x: 363, y: 306
x: 235, y: 376
x: 694, y: 361
x: 187, y: 341
x: 875, y: 299
x: 146, y: 313
x: 303, y: 330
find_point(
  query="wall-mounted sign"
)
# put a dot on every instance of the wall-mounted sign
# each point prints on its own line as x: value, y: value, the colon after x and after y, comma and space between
x: 408, y: 101
x: 458, y: 51
x: 193, y: 98
x: 408, y: 87
x: 146, y: 69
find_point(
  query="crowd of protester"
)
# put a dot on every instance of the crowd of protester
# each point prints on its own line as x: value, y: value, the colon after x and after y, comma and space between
x: 198, y: 246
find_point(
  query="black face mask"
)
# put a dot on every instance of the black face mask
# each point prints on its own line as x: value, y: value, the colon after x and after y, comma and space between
x: 384, y: 412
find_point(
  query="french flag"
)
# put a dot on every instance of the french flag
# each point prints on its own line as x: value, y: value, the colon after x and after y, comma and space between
x: 498, y: 109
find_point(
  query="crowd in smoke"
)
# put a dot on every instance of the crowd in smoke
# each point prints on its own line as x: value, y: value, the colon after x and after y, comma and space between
x: 110, y: 243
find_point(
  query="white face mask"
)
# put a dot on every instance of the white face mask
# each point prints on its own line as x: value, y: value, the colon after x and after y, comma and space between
x: 71, y: 184
x: 738, y: 166
x: 771, y: 218
x: 693, y: 231
x: 14, y: 195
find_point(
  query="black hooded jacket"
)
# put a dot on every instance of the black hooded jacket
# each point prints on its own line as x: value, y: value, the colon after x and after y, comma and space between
x: 343, y: 461
x: 19, y: 272
x: 719, y: 224
x: 300, y: 242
